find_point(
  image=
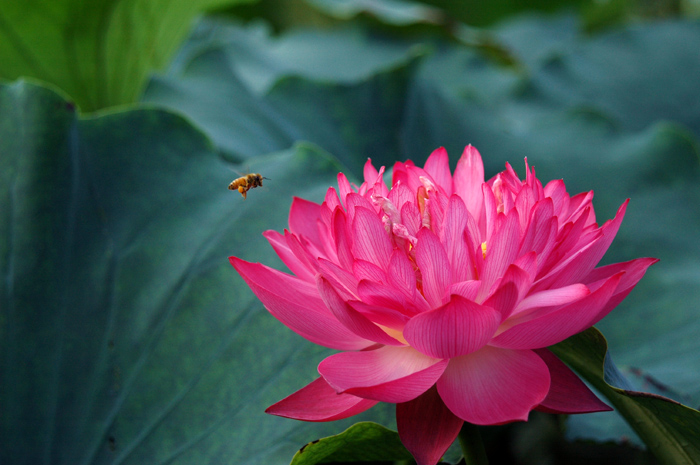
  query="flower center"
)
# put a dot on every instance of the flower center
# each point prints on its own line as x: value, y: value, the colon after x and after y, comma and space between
x: 483, y: 249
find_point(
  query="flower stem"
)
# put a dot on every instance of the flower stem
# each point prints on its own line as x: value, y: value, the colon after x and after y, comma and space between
x: 472, y: 445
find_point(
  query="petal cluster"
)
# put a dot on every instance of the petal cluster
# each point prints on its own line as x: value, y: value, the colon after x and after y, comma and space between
x: 442, y: 294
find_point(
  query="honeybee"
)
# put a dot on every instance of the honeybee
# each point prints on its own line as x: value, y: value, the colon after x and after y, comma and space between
x: 246, y: 183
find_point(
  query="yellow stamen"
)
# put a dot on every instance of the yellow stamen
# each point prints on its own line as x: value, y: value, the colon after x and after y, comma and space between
x: 483, y: 249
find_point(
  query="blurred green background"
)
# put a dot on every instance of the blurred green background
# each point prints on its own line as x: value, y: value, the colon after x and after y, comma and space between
x: 125, y: 335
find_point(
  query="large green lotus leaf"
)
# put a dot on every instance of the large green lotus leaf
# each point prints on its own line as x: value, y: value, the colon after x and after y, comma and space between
x: 352, y: 116
x: 533, y: 39
x: 623, y: 75
x: 362, y: 442
x: 127, y: 337
x: 478, y: 13
x: 100, y: 52
x: 393, y: 12
x: 241, y: 124
x: 637, y: 75
x: 670, y: 430
x: 346, y: 55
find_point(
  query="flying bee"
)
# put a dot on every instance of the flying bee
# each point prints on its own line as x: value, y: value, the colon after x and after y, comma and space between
x: 246, y: 183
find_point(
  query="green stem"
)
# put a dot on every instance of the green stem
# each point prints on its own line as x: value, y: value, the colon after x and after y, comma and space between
x: 472, y: 445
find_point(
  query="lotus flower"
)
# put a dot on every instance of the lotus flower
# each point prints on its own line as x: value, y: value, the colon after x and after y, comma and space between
x: 442, y: 294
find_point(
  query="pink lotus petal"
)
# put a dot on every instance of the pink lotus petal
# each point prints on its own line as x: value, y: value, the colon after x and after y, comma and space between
x: 331, y: 199
x: 299, y: 268
x: 389, y: 317
x: 390, y: 297
x: 436, y: 206
x: 370, y: 240
x: 375, y: 293
x: 493, y: 386
x: 551, y: 298
x: 537, y: 230
x: 535, y: 330
x: 410, y: 217
x: 438, y: 167
x: 466, y: 289
x: 353, y: 201
x: 401, y: 273
x: 503, y: 193
x: 634, y: 271
x: 489, y: 213
x: 532, y: 181
x: 341, y: 238
x: 399, y: 195
x: 456, y: 219
x: 545, y: 242
x: 329, y: 249
x: 303, y: 217
x: 476, y: 253
x: 434, y: 266
x: 305, y: 253
x: 344, y: 188
x: 419, y: 173
x: 528, y: 263
x: 511, y: 179
x: 575, y: 268
x: 567, y: 393
x: 369, y: 271
x: 318, y: 401
x: 427, y: 427
x: 558, y: 259
x: 344, y: 282
x: 378, y: 188
x: 468, y: 178
x: 405, y: 174
x: 556, y: 190
x: 577, y: 205
x: 298, y: 306
x: 387, y: 374
x: 472, y: 234
x: 326, y: 213
x: 459, y: 327
x: 504, y: 299
x: 402, y: 277
x: 370, y: 172
x: 501, y: 251
x: 571, y: 238
x: 511, y: 289
x: 590, y: 217
x: 524, y: 202
x: 351, y: 318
